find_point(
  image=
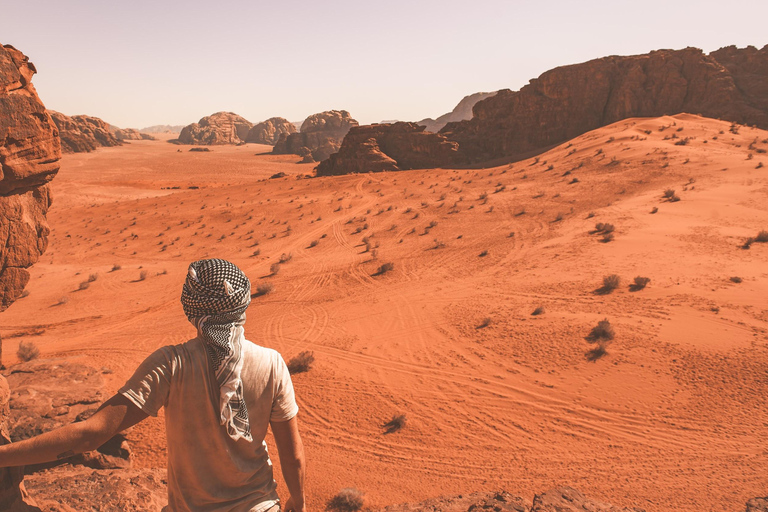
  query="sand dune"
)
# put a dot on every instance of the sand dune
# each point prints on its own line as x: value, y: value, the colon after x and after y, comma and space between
x: 673, y: 417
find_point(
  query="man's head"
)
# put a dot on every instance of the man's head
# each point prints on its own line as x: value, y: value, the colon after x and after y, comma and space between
x: 215, y: 287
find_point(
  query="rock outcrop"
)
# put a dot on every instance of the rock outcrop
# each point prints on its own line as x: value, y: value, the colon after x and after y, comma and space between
x: 757, y: 505
x: 389, y: 147
x: 47, y: 394
x: 565, y: 102
x: 269, y: 131
x: 29, y: 158
x: 162, y: 128
x: 462, y: 112
x: 566, y: 499
x: 320, y: 133
x: 216, y: 129
x: 83, y: 134
x: 131, y: 134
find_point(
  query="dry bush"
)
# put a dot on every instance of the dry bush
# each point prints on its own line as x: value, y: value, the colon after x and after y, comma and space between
x: 654, y: 210
x: 396, y: 423
x: 27, y: 351
x: 116, y: 267
x: 610, y: 283
x: 92, y: 277
x: 483, y: 254
x: 669, y: 193
x: 262, y: 289
x: 62, y: 301
x: 639, y: 283
x: 538, y: 311
x: 603, y: 331
x: 285, y: 258
x: 301, y: 363
x: 313, y: 243
x: 386, y: 267
x: 347, y: 500
x: 736, y: 279
x: 762, y: 237
x: 274, y: 268
x: 143, y: 275
x: 608, y: 237
x: 84, y: 285
x: 485, y: 323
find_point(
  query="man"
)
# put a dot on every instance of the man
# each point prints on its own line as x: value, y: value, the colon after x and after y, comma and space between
x: 220, y: 393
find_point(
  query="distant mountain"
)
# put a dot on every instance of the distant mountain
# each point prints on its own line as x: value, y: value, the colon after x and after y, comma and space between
x: 162, y: 128
x: 462, y: 112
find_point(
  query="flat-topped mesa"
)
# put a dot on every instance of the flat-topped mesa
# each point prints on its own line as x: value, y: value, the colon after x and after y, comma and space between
x: 269, y: 131
x: 216, y: 129
x: 320, y: 133
x: 83, y: 134
x: 730, y: 84
x: 29, y: 158
x: 389, y: 147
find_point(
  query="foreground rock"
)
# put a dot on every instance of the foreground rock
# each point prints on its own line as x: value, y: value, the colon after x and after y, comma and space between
x: 29, y: 159
x: 389, y: 147
x: 83, y: 134
x: 216, y: 129
x: 79, y: 489
x: 462, y: 112
x: 321, y: 134
x: 269, y: 131
x: 131, y: 134
x: 565, y: 102
x: 757, y: 505
x: 566, y: 499
x: 50, y: 393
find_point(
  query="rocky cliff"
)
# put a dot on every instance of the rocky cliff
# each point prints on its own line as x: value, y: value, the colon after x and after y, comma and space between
x: 568, y: 101
x: 131, y: 134
x: 269, y: 131
x: 320, y: 133
x: 462, y: 112
x: 29, y: 159
x: 216, y: 129
x: 82, y: 134
x: 389, y: 147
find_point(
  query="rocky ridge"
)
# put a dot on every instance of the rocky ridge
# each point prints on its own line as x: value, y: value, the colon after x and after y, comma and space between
x: 29, y: 158
x: 83, y: 134
x: 461, y: 112
x: 320, y: 133
x: 122, y: 134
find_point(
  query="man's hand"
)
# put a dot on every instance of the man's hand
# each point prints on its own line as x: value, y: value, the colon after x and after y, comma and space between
x: 115, y: 415
x: 290, y: 506
x: 291, y: 452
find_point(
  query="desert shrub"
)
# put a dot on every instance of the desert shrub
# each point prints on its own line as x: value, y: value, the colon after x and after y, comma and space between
x: 263, y: 289
x: 285, y: 258
x: 654, y: 210
x: 669, y: 193
x: 116, y: 267
x: 483, y: 254
x: 736, y: 279
x: 610, y: 283
x: 274, y: 268
x: 538, y: 311
x: 558, y: 218
x: 27, y: 351
x: 386, y: 267
x: 396, y: 423
x: 484, y: 323
x: 143, y: 275
x: 347, y: 500
x: 762, y: 237
x: 301, y: 363
x: 92, y: 277
x: 603, y: 331
x: 62, y: 301
x: 608, y: 237
x: 84, y: 285
x: 255, y: 253
x: 640, y: 282
x: 313, y: 243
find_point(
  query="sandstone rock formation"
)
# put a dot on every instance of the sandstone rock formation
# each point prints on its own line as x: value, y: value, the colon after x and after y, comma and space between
x: 218, y: 128
x: 162, y: 128
x: 83, y: 134
x: 29, y: 159
x: 568, y: 101
x: 389, y: 147
x: 47, y: 394
x: 131, y: 134
x: 269, y: 131
x: 320, y: 133
x: 462, y: 112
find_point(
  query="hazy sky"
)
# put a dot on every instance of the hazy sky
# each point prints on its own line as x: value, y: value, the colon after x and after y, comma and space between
x: 142, y: 62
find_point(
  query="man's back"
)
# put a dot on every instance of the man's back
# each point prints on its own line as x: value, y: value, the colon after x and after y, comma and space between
x: 207, y: 469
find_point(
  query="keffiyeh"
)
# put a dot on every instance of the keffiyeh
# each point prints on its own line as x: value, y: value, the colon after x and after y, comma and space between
x: 215, y: 297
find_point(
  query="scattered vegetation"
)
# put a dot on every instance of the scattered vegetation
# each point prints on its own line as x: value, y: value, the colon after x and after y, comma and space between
x: 313, y: 243
x: 736, y: 279
x: 347, y: 500
x: 639, y: 283
x: 762, y: 237
x: 285, y: 258
x: 483, y: 254
x: 396, y: 423
x: 603, y: 331
x: 301, y: 363
x: 262, y: 289
x: 654, y: 210
x: 62, y: 301
x: 274, y: 268
x: 610, y: 283
x: 143, y: 275
x: 27, y: 351
x: 84, y: 285
x: 92, y: 277
x: 671, y: 196
x: 538, y: 311
x: 384, y: 268
x: 485, y: 323
x: 116, y: 267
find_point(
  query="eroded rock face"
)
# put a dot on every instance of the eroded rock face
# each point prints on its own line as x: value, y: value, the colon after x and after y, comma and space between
x: 83, y: 134
x: 757, y: 505
x: 131, y: 134
x: 389, y: 147
x: 565, y: 102
x: 50, y: 393
x: 216, y: 129
x: 320, y: 133
x: 566, y: 499
x: 29, y: 159
x: 269, y: 131
x: 67, y: 489
x: 462, y: 112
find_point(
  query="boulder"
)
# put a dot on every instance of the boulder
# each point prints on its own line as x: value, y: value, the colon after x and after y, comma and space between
x: 131, y: 134
x: 50, y: 393
x: 757, y: 505
x: 462, y: 112
x: 320, y: 133
x: 216, y: 129
x: 269, y: 131
x: 29, y: 158
x: 565, y: 102
x: 83, y: 134
x: 566, y: 499
x: 389, y: 147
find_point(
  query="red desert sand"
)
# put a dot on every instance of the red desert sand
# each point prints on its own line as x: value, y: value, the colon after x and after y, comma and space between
x: 672, y: 416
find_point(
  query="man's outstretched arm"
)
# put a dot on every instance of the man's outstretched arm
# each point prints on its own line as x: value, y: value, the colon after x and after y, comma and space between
x: 115, y: 415
x: 291, y: 452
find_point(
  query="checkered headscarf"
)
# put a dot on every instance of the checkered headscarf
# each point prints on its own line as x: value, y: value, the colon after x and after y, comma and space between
x: 215, y: 297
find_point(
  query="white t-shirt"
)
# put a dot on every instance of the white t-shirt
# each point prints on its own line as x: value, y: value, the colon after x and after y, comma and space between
x: 207, y: 470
